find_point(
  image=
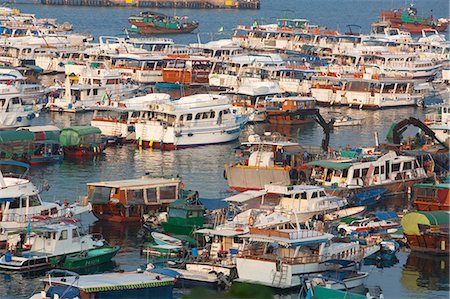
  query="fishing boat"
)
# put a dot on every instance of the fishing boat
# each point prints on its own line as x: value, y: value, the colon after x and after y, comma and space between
x: 200, y: 119
x: 134, y: 198
x: 51, y: 241
x: 184, y: 217
x: 162, y: 239
x: 87, y: 258
x: 368, y: 197
x: 408, y: 19
x: 291, y: 110
x: 107, y: 285
x: 427, y: 231
x: 47, y: 149
x: 341, y: 120
x: 387, y: 251
x: 368, y: 225
x: 81, y: 141
x: 149, y: 22
x: 21, y: 203
x: 431, y: 197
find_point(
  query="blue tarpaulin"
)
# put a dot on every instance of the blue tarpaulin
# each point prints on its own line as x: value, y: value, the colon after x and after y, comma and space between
x: 213, y: 203
x: 384, y: 215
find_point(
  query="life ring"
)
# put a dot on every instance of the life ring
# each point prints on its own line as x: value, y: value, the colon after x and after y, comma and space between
x: 251, y: 221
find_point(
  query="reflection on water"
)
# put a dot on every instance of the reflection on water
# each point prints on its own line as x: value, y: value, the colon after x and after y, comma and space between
x: 424, y: 271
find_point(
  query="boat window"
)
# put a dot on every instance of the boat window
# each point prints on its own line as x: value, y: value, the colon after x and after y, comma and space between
x: 135, y: 196
x: 356, y: 173
x: 407, y: 165
x: 395, y: 167
x: 314, y: 194
x: 167, y: 192
x: 34, y: 201
x: 345, y: 173
x: 151, y: 195
x: 24, y: 201
x: 99, y: 195
x: 53, y: 211
x: 181, y: 118
x: 194, y: 214
x: 226, y: 111
x: 45, y: 212
x: 376, y: 170
x: 322, y: 194
x: 75, y: 233
x: 364, y: 171
x: 212, y: 114
x: 63, y: 235
x: 95, y: 92
x: 238, y: 240
x: 303, y: 195
x: 382, y: 169
x: 2, y: 102
x: 205, y: 115
x: 198, y: 116
x: 15, y: 204
x: 15, y: 100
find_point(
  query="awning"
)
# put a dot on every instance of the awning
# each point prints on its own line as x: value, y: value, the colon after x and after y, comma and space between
x: 245, y: 196
x: 411, y: 221
x: 331, y: 165
x: 220, y: 232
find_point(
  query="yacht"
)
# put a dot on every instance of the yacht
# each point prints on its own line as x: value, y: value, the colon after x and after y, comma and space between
x: 195, y: 120
x: 14, y: 112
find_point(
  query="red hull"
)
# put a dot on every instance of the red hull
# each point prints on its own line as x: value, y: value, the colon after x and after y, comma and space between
x: 148, y: 28
x: 395, y: 17
x: 433, y: 243
x: 117, y: 218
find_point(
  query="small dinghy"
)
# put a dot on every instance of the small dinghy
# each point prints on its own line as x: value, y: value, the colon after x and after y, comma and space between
x: 162, y: 239
x: 342, y: 120
x: 339, y: 214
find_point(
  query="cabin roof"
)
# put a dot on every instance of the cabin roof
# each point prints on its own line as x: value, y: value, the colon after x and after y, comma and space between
x: 135, y: 182
x: 245, y: 196
x: 220, y: 232
x: 293, y: 189
x: 330, y: 164
x: 288, y: 237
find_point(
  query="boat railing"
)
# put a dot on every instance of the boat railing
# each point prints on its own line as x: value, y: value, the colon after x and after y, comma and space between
x: 24, y: 218
x: 292, y: 235
x: 259, y: 255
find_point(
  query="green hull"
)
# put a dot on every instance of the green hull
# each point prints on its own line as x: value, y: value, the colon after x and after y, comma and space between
x: 87, y: 258
x: 179, y: 229
x: 325, y: 293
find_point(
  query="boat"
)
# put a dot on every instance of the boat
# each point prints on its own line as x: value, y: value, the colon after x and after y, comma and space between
x: 86, y: 258
x: 279, y: 258
x: 107, y: 285
x: 47, y: 149
x: 134, y: 198
x: 152, y: 249
x: 81, y: 141
x: 387, y: 251
x: 367, y: 225
x: 431, y: 197
x: 346, y: 212
x: 51, y: 241
x: 408, y: 19
x: 149, y: 22
x: 14, y: 112
x: 21, y: 203
x: 185, y: 70
x: 291, y: 110
x: 162, y: 239
x: 427, y: 231
x: 184, y: 217
x: 341, y: 120
x: 394, y: 172
x: 200, y: 119
x: 344, y: 277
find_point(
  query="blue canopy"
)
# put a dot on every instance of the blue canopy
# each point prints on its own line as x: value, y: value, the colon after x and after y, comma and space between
x: 14, y: 163
x: 213, y: 203
x: 166, y: 271
x: 384, y: 215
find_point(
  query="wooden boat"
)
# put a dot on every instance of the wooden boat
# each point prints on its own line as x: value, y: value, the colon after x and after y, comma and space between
x: 133, y: 198
x: 86, y: 258
x: 431, y: 197
x: 291, y: 110
x: 407, y: 19
x: 80, y: 141
x: 162, y: 239
x: 107, y: 285
x: 427, y: 231
x: 149, y: 22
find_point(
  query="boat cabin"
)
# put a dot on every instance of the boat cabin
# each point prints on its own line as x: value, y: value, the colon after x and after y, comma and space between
x: 57, y: 239
x: 130, y: 200
x: 430, y: 197
x: 184, y: 216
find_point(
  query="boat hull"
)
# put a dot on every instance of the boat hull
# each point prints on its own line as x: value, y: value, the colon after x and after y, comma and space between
x: 92, y: 257
x: 432, y: 243
x: 150, y: 28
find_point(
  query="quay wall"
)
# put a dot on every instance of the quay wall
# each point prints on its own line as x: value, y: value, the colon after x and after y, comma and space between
x: 237, y: 4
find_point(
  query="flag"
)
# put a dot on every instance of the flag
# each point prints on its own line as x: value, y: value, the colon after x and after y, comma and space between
x: 220, y: 29
x: 255, y: 24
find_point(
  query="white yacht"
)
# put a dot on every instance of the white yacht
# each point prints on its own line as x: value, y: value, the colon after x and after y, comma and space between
x: 22, y: 204
x: 195, y: 120
x: 14, y: 112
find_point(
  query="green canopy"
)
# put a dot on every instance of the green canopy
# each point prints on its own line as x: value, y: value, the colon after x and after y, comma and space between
x: 73, y: 136
x: 411, y: 221
x: 6, y: 136
x: 332, y: 165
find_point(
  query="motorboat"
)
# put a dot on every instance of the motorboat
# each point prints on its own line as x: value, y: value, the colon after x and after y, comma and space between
x: 341, y: 120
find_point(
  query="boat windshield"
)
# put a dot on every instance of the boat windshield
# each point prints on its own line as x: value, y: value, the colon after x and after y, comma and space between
x: 14, y: 168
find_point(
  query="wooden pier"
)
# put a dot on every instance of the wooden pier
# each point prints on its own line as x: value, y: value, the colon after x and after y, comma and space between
x: 235, y: 4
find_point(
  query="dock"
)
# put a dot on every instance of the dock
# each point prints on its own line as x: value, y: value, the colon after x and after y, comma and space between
x: 200, y: 4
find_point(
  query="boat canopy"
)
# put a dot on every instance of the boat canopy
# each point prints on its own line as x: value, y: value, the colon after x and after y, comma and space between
x: 413, y: 221
x: 245, y: 196
x: 220, y: 232
x: 73, y: 136
x: 330, y: 164
x: 436, y: 186
x: 6, y: 136
x: 43, y: 133
x: 384, y: 215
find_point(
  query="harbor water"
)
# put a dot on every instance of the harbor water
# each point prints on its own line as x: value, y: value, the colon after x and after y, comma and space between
x: 414, y: 276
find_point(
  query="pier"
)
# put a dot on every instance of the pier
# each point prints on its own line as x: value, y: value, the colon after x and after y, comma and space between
x: 200, y: 4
